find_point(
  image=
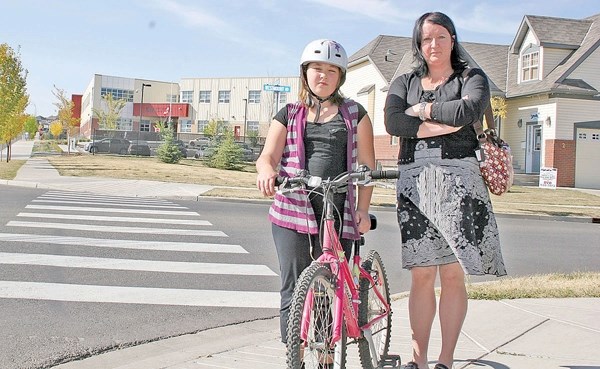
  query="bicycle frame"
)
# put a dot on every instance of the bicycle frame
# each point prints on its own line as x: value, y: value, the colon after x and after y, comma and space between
x: 347, y: 291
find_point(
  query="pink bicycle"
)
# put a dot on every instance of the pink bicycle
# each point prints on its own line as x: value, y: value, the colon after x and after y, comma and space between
x: 336, y: 301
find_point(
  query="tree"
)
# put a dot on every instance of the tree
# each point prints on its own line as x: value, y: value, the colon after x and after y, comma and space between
x: 168, y: 151
x: 253, y: 137
x: 228, y: 154
x: 13, y: 96
x: 499, y: 107
x: 110, y: 113
x: 65, y: 114
x: 215, y: 129
x: 31, y: 125
x: 56, y: 128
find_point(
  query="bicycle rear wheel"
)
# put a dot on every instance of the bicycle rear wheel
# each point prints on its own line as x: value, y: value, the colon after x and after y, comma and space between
x: 370, y: 307
x: 316, y: 286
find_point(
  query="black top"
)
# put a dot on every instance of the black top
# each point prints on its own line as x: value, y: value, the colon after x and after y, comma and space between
x: 449, y: 107
x: 325, y: 146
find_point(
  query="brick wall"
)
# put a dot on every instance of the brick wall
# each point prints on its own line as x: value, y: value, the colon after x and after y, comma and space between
x: 385, y: 152
x: 560, y: 154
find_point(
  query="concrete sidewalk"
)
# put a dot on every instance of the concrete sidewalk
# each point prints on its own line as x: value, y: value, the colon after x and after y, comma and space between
x: 39, y: 173
x: 519, y: 334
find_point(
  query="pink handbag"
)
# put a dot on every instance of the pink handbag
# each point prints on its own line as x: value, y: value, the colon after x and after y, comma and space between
x: 494, y: 156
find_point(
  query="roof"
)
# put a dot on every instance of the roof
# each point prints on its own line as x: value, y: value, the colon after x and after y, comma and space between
x: 554, y: 81
x: 552, y: 32
x: 392, y: 56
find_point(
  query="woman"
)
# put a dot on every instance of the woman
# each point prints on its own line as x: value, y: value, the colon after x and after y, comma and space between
x: 444, y: 211
x: 326, y: 135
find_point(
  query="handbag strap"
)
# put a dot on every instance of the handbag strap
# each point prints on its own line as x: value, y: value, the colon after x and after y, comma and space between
x: 488, y: 114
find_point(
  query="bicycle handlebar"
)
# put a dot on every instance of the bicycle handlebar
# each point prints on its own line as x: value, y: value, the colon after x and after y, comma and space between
x: 362, y: 174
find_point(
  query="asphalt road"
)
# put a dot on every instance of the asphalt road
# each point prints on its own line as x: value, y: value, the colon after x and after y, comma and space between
x: 73, y: 284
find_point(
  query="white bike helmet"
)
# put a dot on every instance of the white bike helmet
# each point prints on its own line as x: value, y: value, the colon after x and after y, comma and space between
x: 325, y: 51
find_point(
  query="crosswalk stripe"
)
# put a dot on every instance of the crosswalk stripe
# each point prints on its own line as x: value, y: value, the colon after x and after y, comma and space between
x: 125, y: 244
x: 115, y: 229
x: 101, y: 203
x: 111, y: 210
x: 138, y: 295
x: 132, y: 264
x: 118, y: 199
x: 117, y: 219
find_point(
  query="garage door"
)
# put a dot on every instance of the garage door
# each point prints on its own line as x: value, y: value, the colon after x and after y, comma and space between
x: 587, y: 174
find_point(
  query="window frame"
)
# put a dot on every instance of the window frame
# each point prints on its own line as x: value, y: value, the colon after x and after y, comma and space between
x: 254, y: 96
x: 530, y: 64
x: 204, y: 99
x: 187, y: 96
x: 224, y: 96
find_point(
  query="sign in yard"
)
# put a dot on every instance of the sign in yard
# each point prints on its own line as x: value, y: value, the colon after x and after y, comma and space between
x: 548, y: 177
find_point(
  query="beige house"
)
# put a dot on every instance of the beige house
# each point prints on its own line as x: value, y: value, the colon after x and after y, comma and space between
x: 549, y: 75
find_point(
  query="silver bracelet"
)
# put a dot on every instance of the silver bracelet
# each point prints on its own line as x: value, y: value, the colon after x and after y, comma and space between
x: 422, y: 110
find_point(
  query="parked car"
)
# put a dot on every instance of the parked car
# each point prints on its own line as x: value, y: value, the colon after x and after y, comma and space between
x: 205, y: 151
x: 182, y: 148
x: 209, y: 150
x: 247, y: 152
x: 200, y: 141
x: 139, y: 148
x: 109, y: 145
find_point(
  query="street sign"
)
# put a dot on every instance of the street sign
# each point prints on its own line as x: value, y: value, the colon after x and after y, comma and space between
x: 276, y: 88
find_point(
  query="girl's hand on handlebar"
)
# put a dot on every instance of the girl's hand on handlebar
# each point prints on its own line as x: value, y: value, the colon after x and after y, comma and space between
x: 363, y: 221
x: 265, y: 182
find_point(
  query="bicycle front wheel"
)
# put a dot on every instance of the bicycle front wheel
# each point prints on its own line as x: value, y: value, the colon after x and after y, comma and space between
x: 370, y: 307
x: 313, y: 303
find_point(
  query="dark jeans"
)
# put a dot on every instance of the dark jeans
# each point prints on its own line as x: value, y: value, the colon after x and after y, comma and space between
x: 293, y: 252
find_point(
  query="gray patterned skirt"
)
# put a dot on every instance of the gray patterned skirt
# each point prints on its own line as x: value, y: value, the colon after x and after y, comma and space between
x: 445, y: 215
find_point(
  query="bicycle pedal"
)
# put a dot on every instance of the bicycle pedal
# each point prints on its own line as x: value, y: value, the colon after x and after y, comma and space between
x: 389, y: 361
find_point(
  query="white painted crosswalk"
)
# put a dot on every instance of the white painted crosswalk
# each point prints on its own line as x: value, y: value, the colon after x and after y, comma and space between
x: 90, y: 223
x: 137, y: 295
x: 130, y: 264
x: 125, y: 244
x: 115, y: 219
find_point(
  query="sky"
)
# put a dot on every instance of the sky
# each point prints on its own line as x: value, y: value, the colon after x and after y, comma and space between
x: 63, y: 43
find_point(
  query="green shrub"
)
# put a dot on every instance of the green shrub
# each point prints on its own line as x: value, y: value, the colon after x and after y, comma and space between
x: 228, y: 155
x: 168, y: 151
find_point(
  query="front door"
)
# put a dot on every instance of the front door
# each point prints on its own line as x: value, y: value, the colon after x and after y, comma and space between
x: 534, y: 147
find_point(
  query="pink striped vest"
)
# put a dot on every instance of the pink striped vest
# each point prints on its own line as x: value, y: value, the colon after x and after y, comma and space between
x: 293, y: 210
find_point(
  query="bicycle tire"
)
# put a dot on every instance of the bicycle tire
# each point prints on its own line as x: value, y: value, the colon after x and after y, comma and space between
x: 371, y: 306
x: 314, y: 353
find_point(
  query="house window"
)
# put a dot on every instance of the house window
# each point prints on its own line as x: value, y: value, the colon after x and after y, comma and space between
x: 595, y: 136
x: 117, y: 93
x: 145, y: 126
x: 224, y: 97
x: 124, y: 124
x: 582, y: 136
x: 252, y: 125
x: 185, y: 126
x: 172, y: 98
x: 202, y: 124
x: 282, y: 98
x: 530, y: 65
x: 254, y: 96
x: 204, y: 97
x: 187, y: 96
x: 394, y: 140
